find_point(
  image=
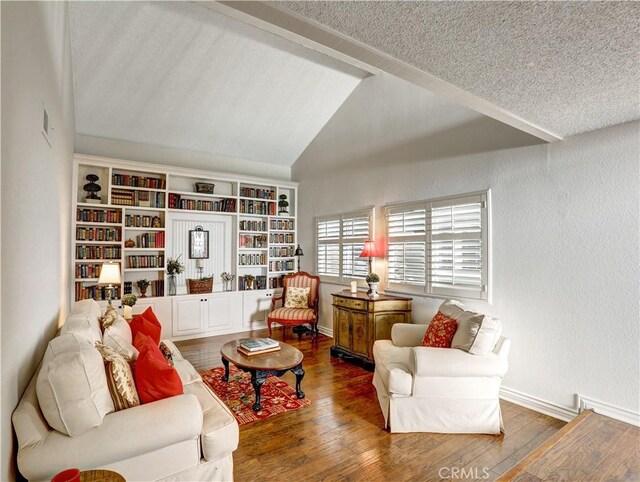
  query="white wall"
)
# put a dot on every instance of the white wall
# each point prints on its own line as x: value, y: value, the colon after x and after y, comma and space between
x: 133, y: 151
x: 565, y: 227
x: 36, y: 185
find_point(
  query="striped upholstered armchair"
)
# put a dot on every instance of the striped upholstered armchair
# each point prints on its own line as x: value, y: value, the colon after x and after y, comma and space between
x: 296, y: 316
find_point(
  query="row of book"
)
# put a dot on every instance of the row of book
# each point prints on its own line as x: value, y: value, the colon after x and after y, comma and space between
x: 156, y: 288
x: 111, y: 216
x: 252, y: 259
x: 260, y: 283
x: 143, y: 199
x: 138, y: 181
x: 281, y: 238
x: 252, y: 240
x: 84, y: 233
x: 282, y: 224
x: 145, y: 261
x: 277, y: 282
x: 98, y: 252
x: 88, y: 270
x: 176, y: 201
x: 258, y: 346
x: 253, y: 225
x: 282, y: 265
x: 150, y: 240
x: 257, y: 207
x: 257, y: 193
x: 98, y: 293
x: 139, y: 221
x: 282, y: 252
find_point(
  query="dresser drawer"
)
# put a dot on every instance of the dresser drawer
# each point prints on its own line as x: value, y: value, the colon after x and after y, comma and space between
x: 348, y: 303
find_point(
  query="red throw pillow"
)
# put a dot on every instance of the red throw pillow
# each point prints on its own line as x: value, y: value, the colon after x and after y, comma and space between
x: 148, y: 324
x: 155, y: 378
x: 440, y: 332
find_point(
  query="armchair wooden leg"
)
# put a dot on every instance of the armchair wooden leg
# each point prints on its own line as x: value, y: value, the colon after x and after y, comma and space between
x: 269, y: 326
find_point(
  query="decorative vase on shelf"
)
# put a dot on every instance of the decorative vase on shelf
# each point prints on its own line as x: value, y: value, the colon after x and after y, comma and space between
x: 172, y: 285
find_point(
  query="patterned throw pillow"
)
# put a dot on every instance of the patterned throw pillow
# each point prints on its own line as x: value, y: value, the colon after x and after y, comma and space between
x: 440, y: 331
x: 166, y: 353
x: 297, y: 297
x: 109, y: 318
x: 122, y: 388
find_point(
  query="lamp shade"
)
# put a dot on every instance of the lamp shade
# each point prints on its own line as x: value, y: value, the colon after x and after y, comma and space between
x: 298, y: 251
x: 110, y: 274
x: 370, y: 250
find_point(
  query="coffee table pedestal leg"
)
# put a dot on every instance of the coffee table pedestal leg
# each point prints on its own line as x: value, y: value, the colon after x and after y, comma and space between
x: 299, y: 373
x: 225, y: 377
x: 257, y: 379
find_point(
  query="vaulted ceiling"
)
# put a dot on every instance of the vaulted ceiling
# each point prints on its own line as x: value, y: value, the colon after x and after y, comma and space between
x: 177, y: 74
x: 259, y: 80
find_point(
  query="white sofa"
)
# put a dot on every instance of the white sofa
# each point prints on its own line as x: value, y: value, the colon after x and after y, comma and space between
x: 189, y: 437
x: 443, y: 390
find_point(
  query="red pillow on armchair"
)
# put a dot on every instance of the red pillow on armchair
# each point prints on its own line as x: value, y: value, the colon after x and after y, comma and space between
x: 440, y: 332
x: 148, y: 324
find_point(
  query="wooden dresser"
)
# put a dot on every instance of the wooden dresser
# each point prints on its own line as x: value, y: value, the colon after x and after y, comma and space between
x: 358, y: 321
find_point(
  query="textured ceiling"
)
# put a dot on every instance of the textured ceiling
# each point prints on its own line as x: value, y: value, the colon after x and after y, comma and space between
x: 568, y: 67
x: 177, y: 74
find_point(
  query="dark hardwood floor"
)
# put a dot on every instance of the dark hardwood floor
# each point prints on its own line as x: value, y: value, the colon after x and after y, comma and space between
x: 340, y: 435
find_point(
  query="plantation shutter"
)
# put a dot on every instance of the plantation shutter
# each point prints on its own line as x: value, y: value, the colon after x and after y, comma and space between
x: 355, y: 231
x: 439, y: 247
x: 328, y: 247
x: 458, y: 247
x: 340, y: 240
x: 407, y: 255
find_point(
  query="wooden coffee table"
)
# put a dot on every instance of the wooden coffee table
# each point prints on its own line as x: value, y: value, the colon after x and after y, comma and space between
x: 261, y: 366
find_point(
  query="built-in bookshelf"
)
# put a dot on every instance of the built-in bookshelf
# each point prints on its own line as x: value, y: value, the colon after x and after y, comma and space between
x: 127, y: 223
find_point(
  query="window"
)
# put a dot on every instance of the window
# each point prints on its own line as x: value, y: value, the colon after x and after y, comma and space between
x: 440, y: 247
x: 340, y: 240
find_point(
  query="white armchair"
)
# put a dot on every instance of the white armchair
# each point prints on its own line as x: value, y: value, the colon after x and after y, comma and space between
x: 445, y: 390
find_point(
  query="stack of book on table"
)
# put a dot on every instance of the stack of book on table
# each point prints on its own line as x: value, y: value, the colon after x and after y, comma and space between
x: 257, y: 346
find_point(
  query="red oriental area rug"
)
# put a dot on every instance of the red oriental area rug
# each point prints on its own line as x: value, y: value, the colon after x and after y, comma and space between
x: 237, y: 394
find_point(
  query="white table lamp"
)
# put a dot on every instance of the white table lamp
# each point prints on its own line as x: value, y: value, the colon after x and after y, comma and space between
x: 110, y: 275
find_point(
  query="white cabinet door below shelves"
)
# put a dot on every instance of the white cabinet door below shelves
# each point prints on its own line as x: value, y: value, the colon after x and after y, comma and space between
x: 257, y: 305
x: 224, y: 310
x: 187, y: 316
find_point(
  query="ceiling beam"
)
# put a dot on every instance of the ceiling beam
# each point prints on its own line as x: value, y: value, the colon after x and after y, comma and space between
x: 294, y: 27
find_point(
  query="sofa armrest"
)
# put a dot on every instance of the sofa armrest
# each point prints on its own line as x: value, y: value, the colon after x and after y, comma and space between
x: 122, y: 435
x: 451, y: 362
x: 407, y: 334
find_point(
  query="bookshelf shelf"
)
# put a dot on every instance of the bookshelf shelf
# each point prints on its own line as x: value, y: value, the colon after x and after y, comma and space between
x: 144, y: 203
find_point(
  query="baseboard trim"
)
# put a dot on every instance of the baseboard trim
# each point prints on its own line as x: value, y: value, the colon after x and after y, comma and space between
x: 608, y: 410
x: 537, y: 404
x: 325, y: 331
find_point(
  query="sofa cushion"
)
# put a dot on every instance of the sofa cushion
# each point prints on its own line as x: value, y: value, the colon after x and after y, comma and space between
x: 155, y: 378
x: 185, y: 370
x: 440, y: 331
x: 220, y: 433
x: 118, y: 336
x: 393, y: 367
x: 72, y: 386
x: 122, y: 387
x: 84, y: 321
x: 477, y: 333
x: 147, y: 323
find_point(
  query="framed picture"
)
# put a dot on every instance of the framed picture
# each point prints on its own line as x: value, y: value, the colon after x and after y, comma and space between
x: 198, y: 243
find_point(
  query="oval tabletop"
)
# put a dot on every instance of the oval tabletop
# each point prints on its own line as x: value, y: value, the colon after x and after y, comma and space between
x: 287, y: 357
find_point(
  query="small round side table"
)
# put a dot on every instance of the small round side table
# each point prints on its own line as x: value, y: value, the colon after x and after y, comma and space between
x: 101, y: 476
